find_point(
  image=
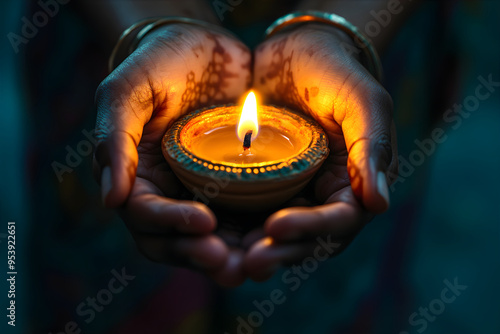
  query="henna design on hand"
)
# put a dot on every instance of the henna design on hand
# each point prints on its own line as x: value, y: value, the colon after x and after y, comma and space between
x: 210, y: 88
x: 280, y: 70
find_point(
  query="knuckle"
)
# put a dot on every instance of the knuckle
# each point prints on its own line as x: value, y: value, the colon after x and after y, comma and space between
x: 383, y: 145
x: 384, y: 142
x: 101, y: 90
x: 106, y: 89
x: 382, y: 98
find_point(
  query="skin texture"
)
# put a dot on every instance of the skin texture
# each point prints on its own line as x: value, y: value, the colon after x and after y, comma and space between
x: 176, y: 68
x: 179, y: 68
x: 308, y: 69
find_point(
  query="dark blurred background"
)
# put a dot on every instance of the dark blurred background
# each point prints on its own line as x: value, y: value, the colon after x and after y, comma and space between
x: 442, y: 231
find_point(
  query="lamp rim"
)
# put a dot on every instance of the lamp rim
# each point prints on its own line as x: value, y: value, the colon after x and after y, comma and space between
x: 308, y: 159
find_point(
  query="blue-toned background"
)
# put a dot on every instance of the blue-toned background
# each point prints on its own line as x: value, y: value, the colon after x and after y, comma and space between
x: 443, y: 227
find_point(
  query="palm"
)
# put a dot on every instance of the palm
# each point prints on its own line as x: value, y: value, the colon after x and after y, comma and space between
x: 181, y: 68
x: 176, y: 69
x: 211, y: 74
x: 306, y: 69
x: 289, y: 73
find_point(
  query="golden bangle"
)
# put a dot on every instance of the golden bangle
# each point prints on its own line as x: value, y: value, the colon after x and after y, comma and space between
x: 372, y: 59
x: 148, y: 25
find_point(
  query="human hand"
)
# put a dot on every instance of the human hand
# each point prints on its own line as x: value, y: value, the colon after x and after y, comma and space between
x: 308, y: 69
x: 177, y: 68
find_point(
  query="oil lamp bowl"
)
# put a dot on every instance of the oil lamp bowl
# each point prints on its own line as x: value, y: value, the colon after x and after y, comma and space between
x: 245, y: 187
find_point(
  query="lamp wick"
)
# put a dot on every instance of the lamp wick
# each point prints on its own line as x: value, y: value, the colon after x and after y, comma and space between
x: 247, y: 142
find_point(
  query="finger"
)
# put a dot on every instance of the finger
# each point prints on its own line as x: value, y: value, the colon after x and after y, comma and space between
x: 362, y: 109
x: 311, y: 71
x: 199, y: 252
x: 231, y: 238
x: 266, y: 256
x: 231, y: 274
x: 177, y: 68
x: 147, y: 211
x: 341, y: 217
x: 252, y: 237
x: 124, y: 105
x: 372, y: 150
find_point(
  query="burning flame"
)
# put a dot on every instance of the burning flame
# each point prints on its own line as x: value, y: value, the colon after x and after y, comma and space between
x: 248, y: 118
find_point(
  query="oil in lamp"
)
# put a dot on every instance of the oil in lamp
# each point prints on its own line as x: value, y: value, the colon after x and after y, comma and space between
x: 245, y: 159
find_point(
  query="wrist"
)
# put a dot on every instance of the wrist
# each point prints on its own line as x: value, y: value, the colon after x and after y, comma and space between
x: 365, y: 49
x: 133, y: 36
x: 329, y: 31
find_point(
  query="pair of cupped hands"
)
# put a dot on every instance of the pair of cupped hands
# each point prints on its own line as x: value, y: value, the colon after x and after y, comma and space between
x: 178, y: 68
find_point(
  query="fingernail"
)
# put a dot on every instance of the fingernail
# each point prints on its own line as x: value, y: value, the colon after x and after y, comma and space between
x: 383, y: 190
x: 106, y: 183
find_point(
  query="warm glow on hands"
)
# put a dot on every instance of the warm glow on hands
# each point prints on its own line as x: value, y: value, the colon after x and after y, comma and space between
x: 248, y: 120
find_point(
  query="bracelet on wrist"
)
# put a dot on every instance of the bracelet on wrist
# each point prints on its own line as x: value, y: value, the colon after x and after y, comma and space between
x: 370, y: 56
x: 133, y: 35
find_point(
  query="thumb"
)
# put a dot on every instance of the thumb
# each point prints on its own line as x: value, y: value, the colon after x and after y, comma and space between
x: 121, y: 116
x: 370, y: 138
x: 309, y: 70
